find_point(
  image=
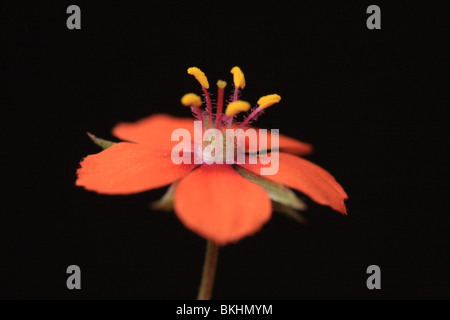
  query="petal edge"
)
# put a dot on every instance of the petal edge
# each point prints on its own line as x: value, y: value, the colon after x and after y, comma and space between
x: 127, y: 168
x: 308, y: 178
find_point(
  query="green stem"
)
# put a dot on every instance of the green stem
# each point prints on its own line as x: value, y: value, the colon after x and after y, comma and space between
x: 209, y: 271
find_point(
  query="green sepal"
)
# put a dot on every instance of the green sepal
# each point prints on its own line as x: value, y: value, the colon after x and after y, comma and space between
x: 102, y: 143
x: 166, y: 201
x: 277, y: 192
x: 288, y: 211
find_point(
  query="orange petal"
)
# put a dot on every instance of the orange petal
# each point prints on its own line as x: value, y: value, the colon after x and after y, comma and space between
x: 285, y: 144
x: 291, y: 145
x: 155, y: 130
x: 220, y: 205
x: 126, y: 168
x: 308, y: 178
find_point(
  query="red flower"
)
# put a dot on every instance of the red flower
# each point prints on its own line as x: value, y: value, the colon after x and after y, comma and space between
x: 221, y: 202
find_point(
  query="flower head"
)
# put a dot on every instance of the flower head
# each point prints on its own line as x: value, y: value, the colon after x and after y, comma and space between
x: 224, y: 201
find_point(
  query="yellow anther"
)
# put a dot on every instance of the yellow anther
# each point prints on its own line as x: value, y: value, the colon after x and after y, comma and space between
x: 237, y: 106
x: 238, y: 77
x: 268, y: 100
x: 200, y: 76
x: 191, y: 99
x: 221, y: 84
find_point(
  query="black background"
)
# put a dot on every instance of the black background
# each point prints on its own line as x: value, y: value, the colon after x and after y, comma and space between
x: 372, y: 102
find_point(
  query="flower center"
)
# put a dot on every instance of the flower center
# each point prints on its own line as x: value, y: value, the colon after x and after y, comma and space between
x: 222, y: 135
x: 220, y: 146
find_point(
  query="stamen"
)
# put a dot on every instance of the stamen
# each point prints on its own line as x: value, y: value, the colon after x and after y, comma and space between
x: 252, y: 115
x: 235, y: 107
x: 263, y: 102
x: 267, y: 101
x: 221, y: 88
x: 191, y: 99
x: 239, y: 81
x: 238, y: 77
x: 194, y: 102
x: 208, y: 105
x: 200, y: 76
x: 203, y: 80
